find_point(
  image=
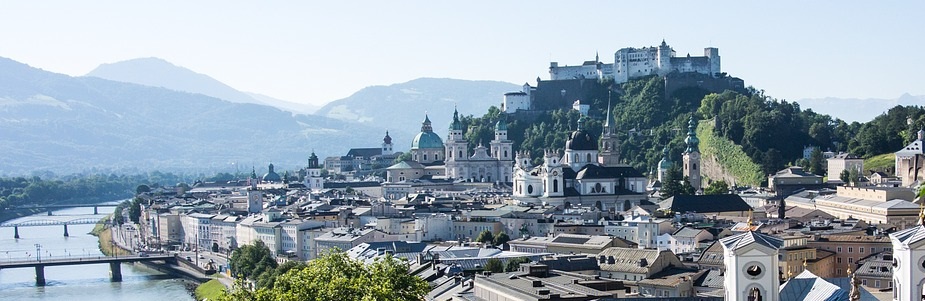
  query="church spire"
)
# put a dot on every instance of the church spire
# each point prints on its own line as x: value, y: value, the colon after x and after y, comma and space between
x: 692, y: 141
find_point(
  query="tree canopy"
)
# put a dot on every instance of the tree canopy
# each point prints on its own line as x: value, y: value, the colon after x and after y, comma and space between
x: 335, y: 276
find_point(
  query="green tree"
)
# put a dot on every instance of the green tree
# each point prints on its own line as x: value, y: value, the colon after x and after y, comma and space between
x: 485, y: 237
x: 335, y: 276
x: 142, y: 189
x: 501, y: 238
x: 854, y: 176
x: 513, y: 265
x: 672, y: 185
x: 250, y: 261
x: 494, y: 265
x: 686, y: 187
x: 815, y: 162
x: 717, y: 187
x: 268, y: 279
x: 845, y: 176
x: 134, y: 211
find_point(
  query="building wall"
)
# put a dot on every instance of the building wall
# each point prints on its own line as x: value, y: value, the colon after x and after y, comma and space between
x: 849, y: 249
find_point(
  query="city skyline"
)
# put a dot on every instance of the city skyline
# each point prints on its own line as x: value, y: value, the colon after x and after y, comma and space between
x: 316, y: 53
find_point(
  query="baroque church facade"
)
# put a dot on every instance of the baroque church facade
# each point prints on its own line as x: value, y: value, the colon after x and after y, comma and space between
x: 431, y: 158
x: 587, y: 171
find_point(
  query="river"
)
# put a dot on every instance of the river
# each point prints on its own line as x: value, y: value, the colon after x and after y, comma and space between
x: 79, y: 282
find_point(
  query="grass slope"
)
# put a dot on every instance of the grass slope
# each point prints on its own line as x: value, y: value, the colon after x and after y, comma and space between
x: 210, y: 290
x: 730, y: 156
x: 884, y: 162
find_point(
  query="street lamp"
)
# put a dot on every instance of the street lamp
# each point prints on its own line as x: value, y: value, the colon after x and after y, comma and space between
x: 38, y: 252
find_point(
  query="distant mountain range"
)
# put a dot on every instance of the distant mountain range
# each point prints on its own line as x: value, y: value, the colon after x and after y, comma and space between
x: 860, y: 110
x: 65, y: 124
x: 401, y: 107
x: 157, y: 72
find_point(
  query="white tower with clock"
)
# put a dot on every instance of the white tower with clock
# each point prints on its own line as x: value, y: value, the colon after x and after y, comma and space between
x: 751, y: 266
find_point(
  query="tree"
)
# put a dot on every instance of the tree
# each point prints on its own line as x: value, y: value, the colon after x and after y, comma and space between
x: 672, y: 185
x: 268, y: 279
x: 513, y: 265
x: 335, y: 276
x: 815, y: 162
x: 142, y: 189
x: 686, y: 187
x: 484, y: 237
x: 845, y: 176
x: 501, y: 238
x: 854, y: 176
x: 250, y: 261
x: 494, y: 265
x: 134, y: 211
x: 717, y: 187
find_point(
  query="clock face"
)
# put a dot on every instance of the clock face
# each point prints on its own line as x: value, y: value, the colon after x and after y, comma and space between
x: 555, y: 173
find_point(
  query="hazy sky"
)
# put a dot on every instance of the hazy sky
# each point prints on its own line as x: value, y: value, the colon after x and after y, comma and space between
x: 318, y: 51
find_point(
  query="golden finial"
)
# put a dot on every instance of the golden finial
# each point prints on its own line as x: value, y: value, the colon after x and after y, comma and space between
x: 804, y: 263
x: 749, y: 221
x: 849, y: 270
x: 789, y: 273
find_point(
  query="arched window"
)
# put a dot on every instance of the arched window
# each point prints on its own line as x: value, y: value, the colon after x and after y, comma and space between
x: 576, y: 157
x: 695, y: 166
x: 530, y: 189
x: 555, y: 185
x: 425, y: 157
x: 589, y: 157
x: 460, y: 154
x: 505, y: 153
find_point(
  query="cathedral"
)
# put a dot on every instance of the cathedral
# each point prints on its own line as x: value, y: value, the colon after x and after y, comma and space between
x: 588, y: 171
x: 431, y: 158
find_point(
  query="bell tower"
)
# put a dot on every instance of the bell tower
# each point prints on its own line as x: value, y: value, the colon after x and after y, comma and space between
x: 691, y: 155
x: 909, y: 262
x: 751, y: 265
x: 610, y: 144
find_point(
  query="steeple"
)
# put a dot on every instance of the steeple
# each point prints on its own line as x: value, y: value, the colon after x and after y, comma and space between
x: 692, y: 141
x: 313, y: 161
x: 456, y: 125
x: 609, y: 123
x: 580, y: 121
x: 425, y: 125
x: 387, y: 139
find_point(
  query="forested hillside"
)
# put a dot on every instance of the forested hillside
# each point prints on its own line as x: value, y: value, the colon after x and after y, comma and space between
x: 772, y: 133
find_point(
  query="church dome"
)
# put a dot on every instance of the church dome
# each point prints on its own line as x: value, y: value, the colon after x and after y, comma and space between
x: 580, y: 140
x: 426, y: 140
x: 272, y: 176
x: 665, y: 163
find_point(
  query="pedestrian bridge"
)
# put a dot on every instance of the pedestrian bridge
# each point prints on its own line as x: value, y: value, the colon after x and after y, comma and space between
x: 115, y: 264
x: 49, y: 222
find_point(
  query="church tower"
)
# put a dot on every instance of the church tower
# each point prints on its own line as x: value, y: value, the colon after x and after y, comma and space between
x: 386, y: 145
x: 692, y: 156
x: 553, y: 181
x: 751, y: 265
x: 909, y: 262
x: 610, y: 144
x: 457, y: 149
x: 580, y: 148
x: 502, y: 150
x: 313, y: 180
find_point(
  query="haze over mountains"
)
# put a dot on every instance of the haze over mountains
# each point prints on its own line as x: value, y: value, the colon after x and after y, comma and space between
x: 860, y: 110
x: 157, y: 72
x: 68, y: 124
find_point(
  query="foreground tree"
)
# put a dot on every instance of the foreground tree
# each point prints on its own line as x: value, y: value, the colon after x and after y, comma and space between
x: 250, y: 261
x: 334, y: 276
x: 494, y: 265
x: 717, y: 187
x: 485, y: 237
x: 501, y: 238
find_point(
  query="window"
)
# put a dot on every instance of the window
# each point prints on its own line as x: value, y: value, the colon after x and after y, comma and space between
x: 860, y: 249
x: 850, y: 249
x: 850, y: 259
x: 838, y: 250
x: 555, y: 185
x: 838, y: 260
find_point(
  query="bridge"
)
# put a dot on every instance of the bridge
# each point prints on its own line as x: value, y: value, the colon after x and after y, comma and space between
x: 49, y: 222
x: 63, y: 206
x: 115, y: 264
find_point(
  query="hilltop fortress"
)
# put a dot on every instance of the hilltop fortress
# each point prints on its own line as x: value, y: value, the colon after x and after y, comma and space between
x: 576, y: 86
x: 638, y: 62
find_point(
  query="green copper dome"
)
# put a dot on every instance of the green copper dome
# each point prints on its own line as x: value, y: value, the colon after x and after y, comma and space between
x: 456, y: 125
x: 665, y: 163
x: 692, y: 141
x: 426, y: 138
x: 501, y: 125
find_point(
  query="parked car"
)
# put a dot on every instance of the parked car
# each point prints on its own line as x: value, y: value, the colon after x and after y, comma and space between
x: 190, y: 259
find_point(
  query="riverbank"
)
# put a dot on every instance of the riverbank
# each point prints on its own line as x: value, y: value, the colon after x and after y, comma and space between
x: 107, y: 246
x: 210, y: 290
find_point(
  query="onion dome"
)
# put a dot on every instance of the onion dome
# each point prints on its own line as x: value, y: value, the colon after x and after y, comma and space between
x: 456, y: 125
x: 501, y: 125
x: 691, y: 140
x: 665, y: 163
x: 580, y: 139
x: 386, y: 139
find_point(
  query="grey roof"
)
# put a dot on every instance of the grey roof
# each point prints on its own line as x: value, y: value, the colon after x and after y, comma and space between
x: 807, y: 286
x: 364, y: 152
x: 706, y: 203
x: 687, y: 232
x: 914, y: 148
x: 592, y: 171
x: 712, y: 279
x: 406, y: 165
x: 742, y: 240
x: 909, y: 236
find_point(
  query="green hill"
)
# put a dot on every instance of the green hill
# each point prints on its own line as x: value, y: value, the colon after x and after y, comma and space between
x: 883, y: 163
x: 731, y: 158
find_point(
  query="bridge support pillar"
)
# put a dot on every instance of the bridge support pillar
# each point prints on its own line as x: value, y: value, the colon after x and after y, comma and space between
x: 65, y: 231
x: 49, y: 213
x: 96, y: 210
x: 16, y: 232
x: 115, y: 271
x: 39, y: 275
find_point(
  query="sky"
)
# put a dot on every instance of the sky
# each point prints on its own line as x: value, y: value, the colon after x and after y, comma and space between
x: 319, y: 51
